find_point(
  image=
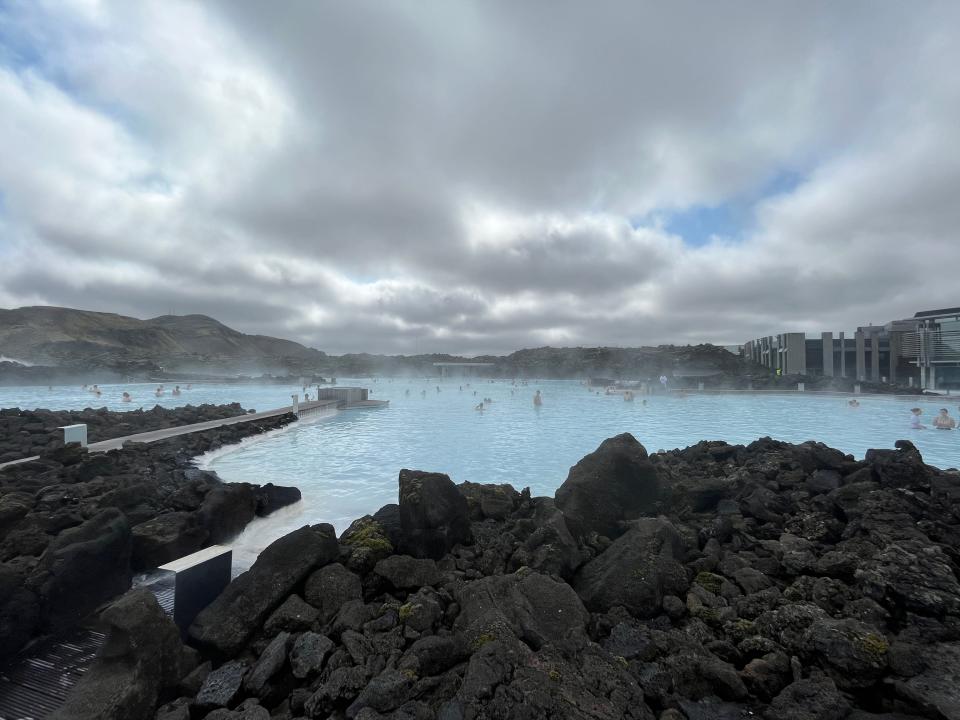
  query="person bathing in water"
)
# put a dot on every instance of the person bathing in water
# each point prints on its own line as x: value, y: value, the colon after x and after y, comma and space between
x: 915, y: 423
x: 126, y: 397
x: 176, y: 390
x: 853, y: 402
x: 943, y: 421
x: 537, y: 399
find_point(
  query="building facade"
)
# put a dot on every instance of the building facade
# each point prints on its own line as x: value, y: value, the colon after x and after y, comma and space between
x: 923, y: 350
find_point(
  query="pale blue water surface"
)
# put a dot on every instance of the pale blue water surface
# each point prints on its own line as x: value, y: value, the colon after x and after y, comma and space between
x: 346, y: 466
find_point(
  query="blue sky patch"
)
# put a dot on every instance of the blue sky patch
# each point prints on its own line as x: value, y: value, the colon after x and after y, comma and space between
x: 698, y: 224
x: 731, y: 220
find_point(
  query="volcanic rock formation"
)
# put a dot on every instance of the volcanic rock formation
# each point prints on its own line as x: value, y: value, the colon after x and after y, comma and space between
x: 788, y: 582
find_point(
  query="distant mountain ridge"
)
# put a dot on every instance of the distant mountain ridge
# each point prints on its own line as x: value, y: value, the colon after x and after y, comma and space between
x: 64, y: 336
x: 64, y: 342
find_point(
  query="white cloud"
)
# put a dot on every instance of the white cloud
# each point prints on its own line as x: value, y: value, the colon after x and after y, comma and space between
x: 426, y: 176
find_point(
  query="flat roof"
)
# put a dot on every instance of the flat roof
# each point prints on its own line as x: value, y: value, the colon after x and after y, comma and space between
x: 462, y: 364
x: 934, y: 313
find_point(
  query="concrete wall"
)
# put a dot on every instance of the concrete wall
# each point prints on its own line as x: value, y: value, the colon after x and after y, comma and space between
x: 794, y: 353
x: 827, y: 340
x: 861, y: 356
x: 346, y: 394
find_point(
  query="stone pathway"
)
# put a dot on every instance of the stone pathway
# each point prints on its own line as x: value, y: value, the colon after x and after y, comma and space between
x: 155, y: 435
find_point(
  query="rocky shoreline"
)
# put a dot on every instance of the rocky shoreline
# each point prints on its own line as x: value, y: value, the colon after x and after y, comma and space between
x: 719, y: 582
x: 25, y: 433
x: 75, y: 526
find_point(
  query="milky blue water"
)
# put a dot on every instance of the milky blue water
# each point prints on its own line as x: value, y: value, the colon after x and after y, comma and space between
x: 347, y: 465
x: 74, y: 397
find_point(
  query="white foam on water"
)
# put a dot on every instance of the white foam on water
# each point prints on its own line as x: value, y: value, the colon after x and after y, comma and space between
x: 206, y: 460
x: 260, y: 532
x: 263, y: 531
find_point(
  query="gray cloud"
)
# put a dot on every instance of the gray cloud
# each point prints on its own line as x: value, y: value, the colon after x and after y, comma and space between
x: 467, y: 177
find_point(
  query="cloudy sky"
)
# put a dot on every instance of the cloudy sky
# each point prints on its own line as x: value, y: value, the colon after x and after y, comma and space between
x: 482, y: 176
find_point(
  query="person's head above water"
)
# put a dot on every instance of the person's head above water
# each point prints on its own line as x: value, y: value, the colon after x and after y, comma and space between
x: 916, y: 411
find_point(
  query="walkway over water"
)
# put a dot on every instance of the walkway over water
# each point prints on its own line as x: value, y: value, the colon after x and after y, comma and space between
x: 165, y: 433
x: 155, y: 435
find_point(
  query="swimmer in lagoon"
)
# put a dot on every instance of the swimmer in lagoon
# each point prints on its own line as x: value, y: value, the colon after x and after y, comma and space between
x: 159, y: 391
x: 853, y: 402
x: 537, y: 399
x: 943, y: 421
x: 176, y: 390
x: 915, y: 423
x: 479, y: 407
x: 126, y: 397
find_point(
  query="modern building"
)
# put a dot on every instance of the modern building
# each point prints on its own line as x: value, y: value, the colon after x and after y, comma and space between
x: 932, y: 345
x: 923, y: 350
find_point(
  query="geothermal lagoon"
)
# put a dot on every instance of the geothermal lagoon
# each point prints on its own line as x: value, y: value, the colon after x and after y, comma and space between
x: 347, y: 465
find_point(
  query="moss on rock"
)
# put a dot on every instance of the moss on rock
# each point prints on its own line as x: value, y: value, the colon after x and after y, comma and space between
x: 367, y: 533
x: 709, y: 581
